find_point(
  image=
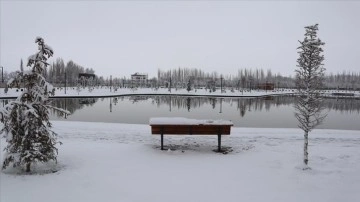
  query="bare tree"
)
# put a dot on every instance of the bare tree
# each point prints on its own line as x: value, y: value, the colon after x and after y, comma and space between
x: 309, y: 80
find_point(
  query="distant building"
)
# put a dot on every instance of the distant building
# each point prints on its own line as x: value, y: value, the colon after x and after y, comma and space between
x: 266, y: 86
x: 138, y: 79
x: 86, y: 76
x: 86, y: 79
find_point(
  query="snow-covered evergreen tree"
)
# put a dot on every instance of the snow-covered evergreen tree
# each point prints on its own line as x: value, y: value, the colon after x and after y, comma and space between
x: 188, y: 88
x: 309, y: 80
x: 26, y: 120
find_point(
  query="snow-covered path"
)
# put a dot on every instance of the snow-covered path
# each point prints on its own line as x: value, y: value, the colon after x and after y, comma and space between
x: 122, y: 162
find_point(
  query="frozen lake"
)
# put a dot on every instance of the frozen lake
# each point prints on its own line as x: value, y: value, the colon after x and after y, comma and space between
x: 271, y: 112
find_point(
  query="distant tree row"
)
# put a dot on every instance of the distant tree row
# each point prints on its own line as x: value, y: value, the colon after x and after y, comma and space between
x: 344, y: 80
x: 249, y: 78
x: 246, y: 78
x: 56, y: 73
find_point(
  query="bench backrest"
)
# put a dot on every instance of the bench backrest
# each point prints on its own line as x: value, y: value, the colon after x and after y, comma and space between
x: 191, y: 129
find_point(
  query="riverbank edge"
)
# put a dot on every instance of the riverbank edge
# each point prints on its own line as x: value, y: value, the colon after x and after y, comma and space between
x: 145, y: 92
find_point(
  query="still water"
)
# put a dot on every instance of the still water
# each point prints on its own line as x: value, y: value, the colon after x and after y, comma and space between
x: 271, y: 112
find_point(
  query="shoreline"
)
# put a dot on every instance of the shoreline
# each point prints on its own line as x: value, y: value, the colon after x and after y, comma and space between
x: 105, y: 92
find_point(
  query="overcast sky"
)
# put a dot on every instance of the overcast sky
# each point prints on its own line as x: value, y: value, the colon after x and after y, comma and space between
x: 122, y: 37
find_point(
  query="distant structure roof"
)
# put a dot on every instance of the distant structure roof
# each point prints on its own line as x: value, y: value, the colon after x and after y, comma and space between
x: 139, y: 74
x: 86, y: 75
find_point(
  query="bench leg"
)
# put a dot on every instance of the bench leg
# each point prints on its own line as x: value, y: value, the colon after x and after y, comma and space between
x: 162, y: 142
x: 219, y: 143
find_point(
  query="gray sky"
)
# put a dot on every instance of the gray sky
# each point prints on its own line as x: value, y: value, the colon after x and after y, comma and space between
x: 123, y: 37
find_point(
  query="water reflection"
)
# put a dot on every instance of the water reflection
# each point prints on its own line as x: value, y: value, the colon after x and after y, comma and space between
x: 343, y: 105
x: 243, y: 105
x: 244, y: 112
x: 73, y: 104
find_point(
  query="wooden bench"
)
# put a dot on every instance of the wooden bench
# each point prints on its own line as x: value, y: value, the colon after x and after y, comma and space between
x: 184, y: 126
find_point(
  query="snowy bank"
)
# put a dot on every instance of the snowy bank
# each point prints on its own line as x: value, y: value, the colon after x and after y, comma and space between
x: 106, y: 92
x: 122, y: 162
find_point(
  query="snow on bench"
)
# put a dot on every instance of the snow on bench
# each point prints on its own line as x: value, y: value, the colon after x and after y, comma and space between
x: 185, y: 126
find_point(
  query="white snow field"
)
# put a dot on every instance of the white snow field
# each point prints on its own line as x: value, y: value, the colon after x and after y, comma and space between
x: 104, y: 162
x: 105, y: 91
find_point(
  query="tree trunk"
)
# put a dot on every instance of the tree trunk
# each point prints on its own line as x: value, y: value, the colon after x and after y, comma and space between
x: 306, y: 142
x: 28, y: 167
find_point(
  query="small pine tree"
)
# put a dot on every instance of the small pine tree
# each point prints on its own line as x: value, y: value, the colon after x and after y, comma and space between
x: 188, y: 88
x: 309, y: 77
x: 26, y: 120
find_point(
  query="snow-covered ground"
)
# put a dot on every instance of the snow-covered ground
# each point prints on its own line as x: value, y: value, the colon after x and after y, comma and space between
x: 105, y: 91
x: 122, y: 162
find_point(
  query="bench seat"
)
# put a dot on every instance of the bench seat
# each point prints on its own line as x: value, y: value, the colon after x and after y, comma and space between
x: 184, y: 126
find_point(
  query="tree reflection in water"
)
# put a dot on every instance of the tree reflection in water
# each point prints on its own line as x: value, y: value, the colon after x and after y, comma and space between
x: 72, y: 104
x: 243, y: 105
x: 243, y: 111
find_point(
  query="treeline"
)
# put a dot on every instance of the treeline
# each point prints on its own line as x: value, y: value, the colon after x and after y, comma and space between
x: 56, y: 73
x: 249, y: 78
x: 246, y: 78
x: 344, y: 80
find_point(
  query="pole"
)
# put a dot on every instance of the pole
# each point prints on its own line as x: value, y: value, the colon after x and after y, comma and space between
x: 110, y: 82
x: 219, y: 142
x: 221, y: 84
x: 162, y: 141
x: 220, y: 105
x: 65, y: 83
x: 2, y: 74
x: 170, y: 82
